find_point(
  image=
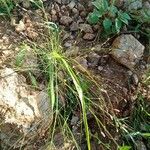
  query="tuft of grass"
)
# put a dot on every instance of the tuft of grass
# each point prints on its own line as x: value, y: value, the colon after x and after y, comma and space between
x: 55, y: 61
x: 137, y: 127
x: 68, y: 90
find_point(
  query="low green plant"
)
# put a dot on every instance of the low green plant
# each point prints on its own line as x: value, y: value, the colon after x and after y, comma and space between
x: 142, y: 15
x: 141, y: 21
x: 6, y: 6
x: 109, y: 15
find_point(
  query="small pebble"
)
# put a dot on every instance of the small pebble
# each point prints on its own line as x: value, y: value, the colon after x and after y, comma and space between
x: 74, y: 120
x: 68, y: 44
x: 74, y: 26
x: 71, y: 5
x: 135, y: 79
x: 54, y: 18
x: 86, y: 28
x: 129, y: 73
x: 80, y: 7
x: 89, y: 36
x: 75, y: 11
x: 83, y: 14
x: 20, y: 27
x: 66, y: 20
x: 100, y: 68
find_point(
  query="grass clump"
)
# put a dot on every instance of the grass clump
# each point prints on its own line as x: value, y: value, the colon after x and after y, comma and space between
x: 52, y: 62
x: 137, y: 128
x: 69, y: 91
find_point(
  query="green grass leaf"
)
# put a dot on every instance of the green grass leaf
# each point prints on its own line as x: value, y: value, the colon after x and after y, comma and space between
x: 125, y: 148
x: 36, y: 3
x: 145, y: 134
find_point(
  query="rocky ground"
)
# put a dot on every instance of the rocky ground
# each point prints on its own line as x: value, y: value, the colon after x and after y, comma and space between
x: 118, y: 63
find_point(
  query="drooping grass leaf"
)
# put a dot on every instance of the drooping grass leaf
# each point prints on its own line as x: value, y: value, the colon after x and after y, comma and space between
x: 79, y: 90
x: 36, y: 4
x: 97, y: 4
x: 52, y: 26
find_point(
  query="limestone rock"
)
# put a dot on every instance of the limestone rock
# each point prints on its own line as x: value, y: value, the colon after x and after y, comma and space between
x: 146, y: 5
x: 80, y: 7
x: 22, y: 111
x: 135, y: 79
x: 127, y: 50
x: 129, y: 5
